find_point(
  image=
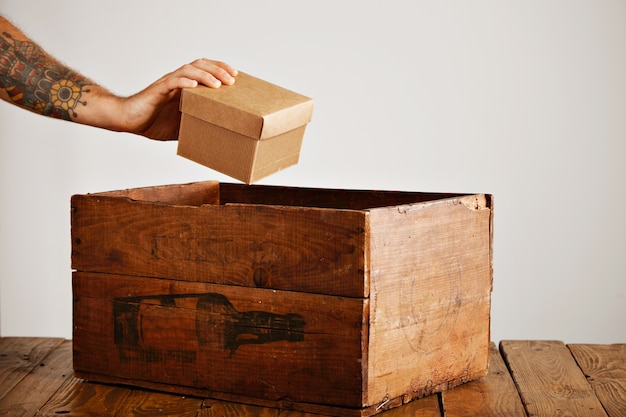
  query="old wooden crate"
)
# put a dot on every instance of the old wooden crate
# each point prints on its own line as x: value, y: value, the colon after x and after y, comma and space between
x: 339, y: 302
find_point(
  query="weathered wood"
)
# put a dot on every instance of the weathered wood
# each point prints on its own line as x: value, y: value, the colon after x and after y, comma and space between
x: 192, y: 194
x: 19, y: 355
x: 289, y: 248
x: 212, y: 408
x: 548, y: 379
x: 431, y: 275
x: 219, y: 339
x: 149, y: 403
x: 385, y: 295
x: 76, y: 398
x: 493, y: 395
x: 40, y: 384
x: 322, y: 198
x: 604, y: 367
x: 424, y: 407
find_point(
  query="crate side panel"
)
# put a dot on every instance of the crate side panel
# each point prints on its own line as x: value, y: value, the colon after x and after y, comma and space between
x: 430, y: 297
x: 268, y: 344
x: 290, y: 248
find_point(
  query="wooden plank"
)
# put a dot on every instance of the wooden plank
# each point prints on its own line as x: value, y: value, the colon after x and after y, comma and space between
x: 605, y: 369
x: 430, y: 280
x: 251, y: 343
x: 493, y: 395
x: 424, y: 407
x: 213, y: 408
x: 291, y: 248
x: 322, y: 198
x: 40, y: 384
x: 142, y: 403
x: 549, y: 380
x: 19, y: 355
x: 77, y: 398
x: 193, y: 194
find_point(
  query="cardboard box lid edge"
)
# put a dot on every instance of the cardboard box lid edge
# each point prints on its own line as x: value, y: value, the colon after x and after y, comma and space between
x: 287, y: 119
x: 294, y: 111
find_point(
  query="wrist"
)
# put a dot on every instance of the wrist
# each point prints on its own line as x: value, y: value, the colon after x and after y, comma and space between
x: 99, y: 107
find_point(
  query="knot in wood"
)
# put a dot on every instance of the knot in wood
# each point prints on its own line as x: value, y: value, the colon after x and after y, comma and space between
x: 260, y: 276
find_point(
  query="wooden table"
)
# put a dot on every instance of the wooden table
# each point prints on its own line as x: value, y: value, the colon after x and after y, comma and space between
x: 526, y: 378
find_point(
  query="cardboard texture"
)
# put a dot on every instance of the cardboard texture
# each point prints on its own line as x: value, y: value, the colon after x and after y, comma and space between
x: 247, y: 130
x: 338, y: 302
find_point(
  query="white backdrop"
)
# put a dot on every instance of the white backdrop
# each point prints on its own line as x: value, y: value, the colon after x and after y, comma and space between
x: 525, y: 100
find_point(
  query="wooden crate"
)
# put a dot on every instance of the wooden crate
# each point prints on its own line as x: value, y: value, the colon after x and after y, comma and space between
x: 338, y: 302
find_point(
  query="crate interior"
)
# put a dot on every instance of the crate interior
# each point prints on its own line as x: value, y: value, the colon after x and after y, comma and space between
x: 211, y: 192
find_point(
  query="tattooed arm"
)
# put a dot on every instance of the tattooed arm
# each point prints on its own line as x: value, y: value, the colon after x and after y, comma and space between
x: 34, y: 80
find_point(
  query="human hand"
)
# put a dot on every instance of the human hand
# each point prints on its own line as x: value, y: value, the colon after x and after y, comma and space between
x: 154, y: 112
x: 66, y: 94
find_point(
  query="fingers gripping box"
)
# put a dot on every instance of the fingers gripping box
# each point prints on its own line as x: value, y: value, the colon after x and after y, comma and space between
x: 247, y: 130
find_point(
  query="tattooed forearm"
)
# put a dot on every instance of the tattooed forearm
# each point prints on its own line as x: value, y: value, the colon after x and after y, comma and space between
x: 33, y: 80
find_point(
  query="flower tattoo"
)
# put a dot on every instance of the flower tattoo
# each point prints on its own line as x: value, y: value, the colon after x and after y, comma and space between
x: 65, y: 94
x: 34, y: 81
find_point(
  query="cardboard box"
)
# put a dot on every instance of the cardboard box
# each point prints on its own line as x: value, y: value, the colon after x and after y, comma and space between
x: 247, y: 130
x: 339, y: 302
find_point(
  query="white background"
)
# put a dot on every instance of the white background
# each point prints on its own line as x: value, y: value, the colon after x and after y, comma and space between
x: 522, y: 99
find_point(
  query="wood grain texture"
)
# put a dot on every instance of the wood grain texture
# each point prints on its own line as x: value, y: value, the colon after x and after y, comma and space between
x: 544, y: 370
x: 18, y: 357
x: 431, y: 278
x: 163, y: 342
x: 422, y: 407
x: 192, y: 194
x: 290, y: 248
x: 149, y: 403
x: 77, y: 398
x: 322, y: 198
x: 212, y: 408
x: 605, y: 369
x: 548, y: 379
x: 394, y: 289
x: 300, y: 239
x: 493, y: 395
x: 40, y: 384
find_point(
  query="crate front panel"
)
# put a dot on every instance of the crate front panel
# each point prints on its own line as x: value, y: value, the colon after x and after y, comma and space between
x: 289, y: 248
x: 267, y: 344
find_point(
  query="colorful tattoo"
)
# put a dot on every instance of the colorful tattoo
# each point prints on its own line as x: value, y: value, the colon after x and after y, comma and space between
x: 37, y: 83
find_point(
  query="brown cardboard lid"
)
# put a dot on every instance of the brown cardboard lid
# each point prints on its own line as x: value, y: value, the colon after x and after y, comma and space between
x: 251, y: 107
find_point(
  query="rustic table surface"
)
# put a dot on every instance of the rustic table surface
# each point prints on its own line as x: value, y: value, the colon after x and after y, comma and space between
x: 526, y: 378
